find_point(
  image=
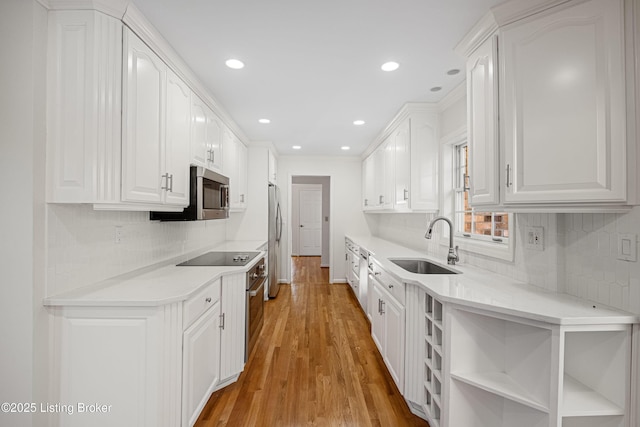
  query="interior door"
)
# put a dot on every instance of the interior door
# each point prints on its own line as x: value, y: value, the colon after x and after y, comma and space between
x: 310, y: 208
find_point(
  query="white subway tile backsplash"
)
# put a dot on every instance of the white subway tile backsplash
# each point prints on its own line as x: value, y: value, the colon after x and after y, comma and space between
x: 82, y: 248
x: 579, y: 258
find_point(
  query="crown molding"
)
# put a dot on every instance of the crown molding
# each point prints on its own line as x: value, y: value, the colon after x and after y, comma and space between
x: 456, y: 94
x: 115, y: 8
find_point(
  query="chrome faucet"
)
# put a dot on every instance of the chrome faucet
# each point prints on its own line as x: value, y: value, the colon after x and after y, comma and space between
x: 452, y: 256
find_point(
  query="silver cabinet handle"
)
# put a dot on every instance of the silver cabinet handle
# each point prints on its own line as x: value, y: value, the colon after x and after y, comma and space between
x: 222, y: 321
x: 208, y: 299
x: 382, y: 307
x: 377, y: 273
x: 381, y: 199
x: 366, y: 202
x: 406, y: 194
x: 242, y: 198
x: 166, y: 178
x: 171, y: 183
x: 508, y: 180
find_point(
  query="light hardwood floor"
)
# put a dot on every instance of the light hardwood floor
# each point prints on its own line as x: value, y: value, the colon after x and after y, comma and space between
x: 314, y: 364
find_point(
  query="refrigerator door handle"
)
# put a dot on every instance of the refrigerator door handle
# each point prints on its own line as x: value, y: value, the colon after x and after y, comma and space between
x: 278, y: 223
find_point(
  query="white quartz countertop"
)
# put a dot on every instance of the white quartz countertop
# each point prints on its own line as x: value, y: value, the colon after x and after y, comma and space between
x: 475, y: 287
x: 159, y: 284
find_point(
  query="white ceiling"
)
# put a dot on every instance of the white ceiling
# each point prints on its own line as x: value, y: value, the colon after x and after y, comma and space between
x: 313, y: 67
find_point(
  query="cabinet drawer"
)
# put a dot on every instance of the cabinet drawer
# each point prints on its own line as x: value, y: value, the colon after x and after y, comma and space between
x: 392, y: 285
x: 200, y: 302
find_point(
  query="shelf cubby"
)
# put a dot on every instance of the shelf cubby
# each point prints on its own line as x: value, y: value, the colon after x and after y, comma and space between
x: 476, y: 408
x: 509, y: 359
x: 596, y: 376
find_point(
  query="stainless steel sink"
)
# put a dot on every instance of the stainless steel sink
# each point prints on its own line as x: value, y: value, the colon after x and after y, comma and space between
x: 421, y: 266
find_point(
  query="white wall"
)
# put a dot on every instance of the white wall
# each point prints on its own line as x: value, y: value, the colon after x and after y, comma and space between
x: 346, y: 213
x: 22, y: 49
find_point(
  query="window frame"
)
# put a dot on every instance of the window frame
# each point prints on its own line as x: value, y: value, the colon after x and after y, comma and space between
x: 475, y: 244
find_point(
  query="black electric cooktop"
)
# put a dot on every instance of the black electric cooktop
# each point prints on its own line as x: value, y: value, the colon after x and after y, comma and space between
x: 221, y: 259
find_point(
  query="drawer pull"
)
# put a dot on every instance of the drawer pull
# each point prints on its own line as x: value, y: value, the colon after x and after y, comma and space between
x: 390, y: 285
x: 208, y: 299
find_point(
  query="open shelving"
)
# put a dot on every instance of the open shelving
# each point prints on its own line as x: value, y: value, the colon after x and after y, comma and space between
x: 503, y: 363
x: 433, y: 381
x: 595, y: 378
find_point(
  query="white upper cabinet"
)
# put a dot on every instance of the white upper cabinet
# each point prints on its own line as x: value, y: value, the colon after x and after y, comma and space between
x: 177, y: 140
x: 206, y: 136
x: 562, y: 134
x: 144, y: 93
x: 273, y: 168
x: 563, y: 106
x: 124, y: 120
x: 156, y: 119
x: 401, y: 175
x: 234, y: 166
x: 482, y: 124
x: 84, y: 99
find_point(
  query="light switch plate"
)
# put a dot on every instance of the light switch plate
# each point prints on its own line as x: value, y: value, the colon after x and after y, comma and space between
x: 534, y: 238
x: 627, y: 247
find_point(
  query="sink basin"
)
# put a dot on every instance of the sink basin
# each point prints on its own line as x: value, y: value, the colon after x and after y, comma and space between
x: 421, y: 266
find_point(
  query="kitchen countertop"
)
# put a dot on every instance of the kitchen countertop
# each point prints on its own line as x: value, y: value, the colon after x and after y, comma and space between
x: 158, y: 284
x: 483, y: 289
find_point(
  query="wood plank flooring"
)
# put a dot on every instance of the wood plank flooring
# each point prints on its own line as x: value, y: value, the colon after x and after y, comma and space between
x: 314, y: 364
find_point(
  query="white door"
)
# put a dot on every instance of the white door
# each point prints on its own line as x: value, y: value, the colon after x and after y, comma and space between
x: 310, y: 208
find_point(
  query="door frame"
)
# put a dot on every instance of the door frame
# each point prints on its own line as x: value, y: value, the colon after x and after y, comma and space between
x: 289, y: 222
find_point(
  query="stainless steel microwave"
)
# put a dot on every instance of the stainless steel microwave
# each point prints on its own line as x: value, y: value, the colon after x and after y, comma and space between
x: 208, y: 198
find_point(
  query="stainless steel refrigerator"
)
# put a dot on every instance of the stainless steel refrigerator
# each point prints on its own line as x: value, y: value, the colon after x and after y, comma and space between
x: 275, y: 234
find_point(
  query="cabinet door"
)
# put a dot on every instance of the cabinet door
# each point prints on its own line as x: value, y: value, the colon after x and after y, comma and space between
x: 232, y: 329
x: 368, y: 183
x: 482, y: 117
x: 394, y: 346
x: 387, y: 175
x: 273, y: 172
x: 242, y: 175
x: 230, y: 164
x: 200, y: 151
x: 563, y: 106
x: 143, y: 133
x: 177, y: 140
x: 378, y: 329
x: 425, y: 144
x: 213, y: 140
x: 402, y: 168
x: 201, y: 367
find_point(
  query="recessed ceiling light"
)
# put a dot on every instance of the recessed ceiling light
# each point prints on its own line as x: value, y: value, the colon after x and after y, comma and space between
x: 453, y: 72
x: 264, y: 121
x: 344, y: 147
x: 236, y: 64
x: 436, y: 89
x: 296, y: 147
x: 390, y: 66
x: 358, y: 122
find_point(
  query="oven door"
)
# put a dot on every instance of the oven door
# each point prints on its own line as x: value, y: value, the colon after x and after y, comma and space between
x: 255, y: 315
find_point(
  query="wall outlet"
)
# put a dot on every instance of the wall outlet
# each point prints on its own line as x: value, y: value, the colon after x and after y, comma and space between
x: 118, y: 234
x: 534, y: 238
x: 627, y: 247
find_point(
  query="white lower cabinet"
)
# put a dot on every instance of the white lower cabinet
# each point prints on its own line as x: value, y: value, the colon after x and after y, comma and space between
x: 151, y: 366
x: 232, y: 328
x: 201, y: 363
x: 387, y: 330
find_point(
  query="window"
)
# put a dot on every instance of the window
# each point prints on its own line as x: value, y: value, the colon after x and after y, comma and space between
x: 469, y: 222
